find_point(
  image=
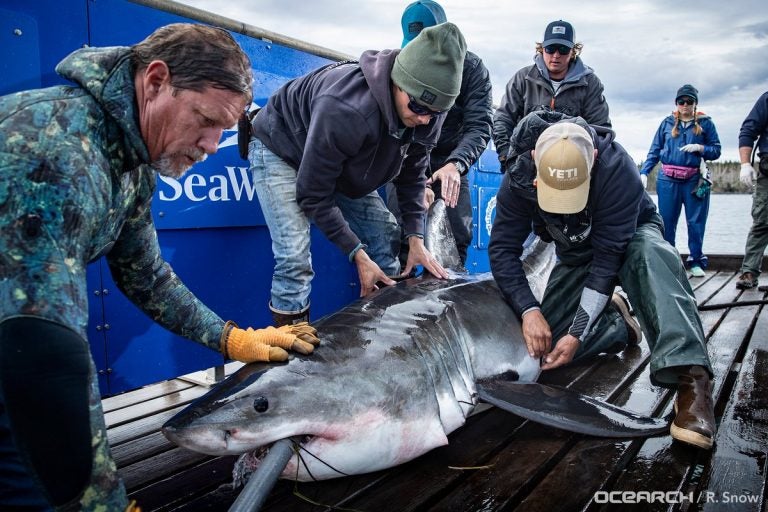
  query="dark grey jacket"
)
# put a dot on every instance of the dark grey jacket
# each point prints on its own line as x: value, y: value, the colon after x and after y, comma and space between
x: 467, y: 126
x: 338, y: 127
x: 580, y: 94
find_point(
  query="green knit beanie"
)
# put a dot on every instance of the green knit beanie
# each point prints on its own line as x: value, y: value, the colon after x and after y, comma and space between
x: 429, y: 67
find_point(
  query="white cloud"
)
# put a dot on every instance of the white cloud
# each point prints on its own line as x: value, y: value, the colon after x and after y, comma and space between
x: 642, y: 50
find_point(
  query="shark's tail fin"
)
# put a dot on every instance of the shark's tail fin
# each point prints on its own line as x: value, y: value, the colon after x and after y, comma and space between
x: 439, y: 239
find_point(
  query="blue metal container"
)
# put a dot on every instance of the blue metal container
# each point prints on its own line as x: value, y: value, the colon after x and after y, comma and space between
x: 484, y: 180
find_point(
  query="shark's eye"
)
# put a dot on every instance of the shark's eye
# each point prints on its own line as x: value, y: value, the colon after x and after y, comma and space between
x: 260, y: 404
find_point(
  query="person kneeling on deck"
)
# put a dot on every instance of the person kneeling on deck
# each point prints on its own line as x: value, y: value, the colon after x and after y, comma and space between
x: 78, y: 168
x: 581, y: 189
x: 325, y: 142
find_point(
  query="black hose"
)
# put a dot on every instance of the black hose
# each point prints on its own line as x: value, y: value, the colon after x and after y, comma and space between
x: 709, y: 307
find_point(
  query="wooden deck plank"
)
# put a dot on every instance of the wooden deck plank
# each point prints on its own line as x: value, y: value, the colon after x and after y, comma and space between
x: 153, y: 406
x: 140, y: 449
x: 141, y: 427
x: 138, y: 396
x: 738, y: 467
x: 568, y: 485
x: 161, y: 389
x: 157, y: 467
x: 183, y: 489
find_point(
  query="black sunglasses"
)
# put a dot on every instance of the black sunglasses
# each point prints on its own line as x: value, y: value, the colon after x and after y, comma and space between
x: 559, y: 48
x: 420, y: 110
x: 688, y: 101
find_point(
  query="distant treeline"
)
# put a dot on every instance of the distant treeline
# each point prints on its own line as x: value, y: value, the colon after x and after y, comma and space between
x: 725, y: 178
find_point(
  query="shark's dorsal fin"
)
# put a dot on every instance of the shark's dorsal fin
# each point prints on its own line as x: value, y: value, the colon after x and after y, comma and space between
x: 438, y: 237
x: 568, y: 410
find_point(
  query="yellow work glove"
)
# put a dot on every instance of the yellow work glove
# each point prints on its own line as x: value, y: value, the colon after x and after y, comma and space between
x: 269, y: 344
x: 133, y: 507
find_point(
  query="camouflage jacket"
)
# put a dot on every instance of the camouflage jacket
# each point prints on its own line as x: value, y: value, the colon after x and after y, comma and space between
x: 75, y: 184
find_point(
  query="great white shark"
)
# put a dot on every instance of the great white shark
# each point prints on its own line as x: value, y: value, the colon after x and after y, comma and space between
x: 396, y: 372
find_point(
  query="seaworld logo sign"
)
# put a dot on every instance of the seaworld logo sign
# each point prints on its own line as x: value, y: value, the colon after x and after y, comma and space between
x: 234, y: 185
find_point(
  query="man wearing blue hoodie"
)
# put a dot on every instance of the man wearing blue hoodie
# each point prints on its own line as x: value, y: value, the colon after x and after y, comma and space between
x: 325, y: 142
x: 558, y: 80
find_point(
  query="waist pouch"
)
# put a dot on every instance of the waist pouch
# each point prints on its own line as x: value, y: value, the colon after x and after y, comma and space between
x: 244, y: 132
x: 763, y: 165
x: 678, y: 171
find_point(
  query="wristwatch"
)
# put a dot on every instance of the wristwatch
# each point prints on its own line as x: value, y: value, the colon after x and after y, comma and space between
x: 460, y: 166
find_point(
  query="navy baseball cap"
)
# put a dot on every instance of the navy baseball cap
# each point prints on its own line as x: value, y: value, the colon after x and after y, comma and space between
x: 558, y: 32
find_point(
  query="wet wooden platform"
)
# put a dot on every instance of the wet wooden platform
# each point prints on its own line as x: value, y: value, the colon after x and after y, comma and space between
x: 498, y: 461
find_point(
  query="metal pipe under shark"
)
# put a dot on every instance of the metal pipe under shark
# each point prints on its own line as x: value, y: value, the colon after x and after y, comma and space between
x: 396, y: 372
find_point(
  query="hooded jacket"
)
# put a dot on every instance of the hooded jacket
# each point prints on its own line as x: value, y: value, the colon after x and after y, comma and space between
x: 617, y: 203
x: 580, y: 94
x: 338, y: 127
x: 75, y: 184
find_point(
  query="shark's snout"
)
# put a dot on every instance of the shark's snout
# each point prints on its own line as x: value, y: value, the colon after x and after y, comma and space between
x: 210, y: 441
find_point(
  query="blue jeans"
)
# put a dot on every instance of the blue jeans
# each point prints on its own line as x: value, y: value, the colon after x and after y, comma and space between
x: 275, y: 183
x: 673, y: 194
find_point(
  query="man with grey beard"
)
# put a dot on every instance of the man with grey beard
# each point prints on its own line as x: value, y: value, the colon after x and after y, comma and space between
x: 77, y: 176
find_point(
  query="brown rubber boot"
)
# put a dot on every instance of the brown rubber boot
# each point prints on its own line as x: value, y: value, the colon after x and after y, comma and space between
x: 746, y: 281
x: 695, y: 419
x: 281, y: 318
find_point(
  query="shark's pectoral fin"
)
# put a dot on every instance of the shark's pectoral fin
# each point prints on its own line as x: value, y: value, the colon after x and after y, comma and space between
x: 567, y: 410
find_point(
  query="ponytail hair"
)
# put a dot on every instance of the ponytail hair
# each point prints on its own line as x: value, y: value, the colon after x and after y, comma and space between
x: 696, y: 126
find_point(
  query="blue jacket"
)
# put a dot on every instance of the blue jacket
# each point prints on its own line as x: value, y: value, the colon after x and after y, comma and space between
x: 666, y: 148
x: 338, y: 127
x: 756, y: 125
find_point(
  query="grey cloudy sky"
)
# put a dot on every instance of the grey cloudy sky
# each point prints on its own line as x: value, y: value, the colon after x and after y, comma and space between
x: 642, y: 50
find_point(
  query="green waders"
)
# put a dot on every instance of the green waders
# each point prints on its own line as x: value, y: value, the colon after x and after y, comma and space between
x: 655, y: 281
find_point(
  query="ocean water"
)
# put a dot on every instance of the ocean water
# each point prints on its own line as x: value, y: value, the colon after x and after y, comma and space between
x: 728, y: 224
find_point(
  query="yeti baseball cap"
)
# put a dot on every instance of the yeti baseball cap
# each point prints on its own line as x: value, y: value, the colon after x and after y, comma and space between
x: 564, y: 157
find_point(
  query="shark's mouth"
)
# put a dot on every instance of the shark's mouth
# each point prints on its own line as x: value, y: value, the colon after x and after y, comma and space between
x: 246, y: 464
x: 249, y: 462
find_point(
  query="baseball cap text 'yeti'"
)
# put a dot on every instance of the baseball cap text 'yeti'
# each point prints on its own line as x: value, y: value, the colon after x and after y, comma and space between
x: 564, y: 157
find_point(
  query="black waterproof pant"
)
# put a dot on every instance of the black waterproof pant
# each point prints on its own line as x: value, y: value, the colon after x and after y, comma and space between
x: 54, y: 453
